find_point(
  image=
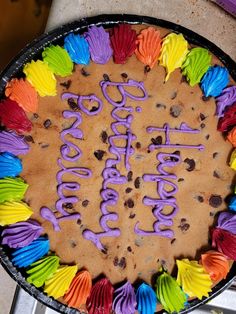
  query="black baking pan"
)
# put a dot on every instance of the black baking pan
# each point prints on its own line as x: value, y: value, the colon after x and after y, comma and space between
x: 33, y: 52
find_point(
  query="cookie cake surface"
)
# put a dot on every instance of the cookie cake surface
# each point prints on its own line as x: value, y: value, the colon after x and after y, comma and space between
x: 117, y: 167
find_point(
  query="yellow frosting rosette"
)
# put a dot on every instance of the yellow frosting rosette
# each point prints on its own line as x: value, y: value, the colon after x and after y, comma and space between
x: 173, y: 52
x: 12, y: 212
x: 41, y: 77
x: 193, y: 278
x: 57, y: 285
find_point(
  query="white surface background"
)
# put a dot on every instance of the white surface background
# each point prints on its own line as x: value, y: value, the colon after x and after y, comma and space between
x: 201, y: 16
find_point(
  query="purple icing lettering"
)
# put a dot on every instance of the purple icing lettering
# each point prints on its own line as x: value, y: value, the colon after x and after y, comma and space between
x: 184, y: 128
x: 111, y: 175
x: 66, y: 151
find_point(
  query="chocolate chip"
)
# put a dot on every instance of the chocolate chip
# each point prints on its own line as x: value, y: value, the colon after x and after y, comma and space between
x: 116, y: 261
x: 36, y: 116
x: 160, y: 106
x: 147, y: 69
x: 215, y: 200
x: 190, y: 164
x: 157, y: 140
x: 68, y: 205
x: 73, y: 244
x: 204, y: 98
x: 172, y: 241
x: 177, y: 152
x: 84, y: 72
x: 122, y: 263
x: 130, y: 176
x: 85, y: 203
x: 137, y: 182
x: 200, y: 199
x: 215, y: 155
x: 184, y: 226
x: 129, y: 249
x: 44, y: 145
x: 128, y: 190
x: 193, y: 108
x: 66, y: 84
x: 138, y: 145
x: 183, y: 79
x: 129, y: 203
x: 132, y: 215
x: 175, y: 111
x: 106, y: 77
x: 94, y: 108
x: 202, y: 117
x: 72, y: 104
x: 124, y: 75
x: 29, y: 138
x: 99, y: 154
x: 104, y: 136
x: 207, y: 137
x: 173, y: 95
x: 79, y: 222
x: 216, y: 174
x: 180, y: 179
x: 47, y: 123
x: 202, y: 125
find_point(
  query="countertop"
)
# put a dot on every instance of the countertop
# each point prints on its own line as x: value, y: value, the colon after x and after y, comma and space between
x: 201, y: 16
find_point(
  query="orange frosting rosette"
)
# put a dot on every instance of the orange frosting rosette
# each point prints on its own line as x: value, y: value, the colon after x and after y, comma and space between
x: 79, y: 289
x: 216, y: 264
x: 23, y: 93
x: 231, y: 137
x: 148, y: 46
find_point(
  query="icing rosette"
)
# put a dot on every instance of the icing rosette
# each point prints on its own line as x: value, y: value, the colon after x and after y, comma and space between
x: 123, y: 42
x: 196, y: 64
x: 25, y: 256
x: 170, y: 294
x: 79, y: 289
x: 232, y: 203
x: 173, y: 52
x: 78, y: 48
x: 148, y: 46
x: 228, y: 120
x: 10, y: 165
x: 57, y: 285
x: 12, y: 189
x: 146, y: 299
x: 41, y: 77
x: 227, y: 221
x: 100, y: 299
x: 214, y: 81
x: 42, y: 269
x: 125, y: 300
x: 13, y: 116
x: 99, y: 44
x: 13, y: 143
x: 58, y: 60
x: 226, y: 99
x: 193, y: 278
x: 21, y: 234
x: 225, y: 242
x: 23, y: 93
x: 232, y: 161
x: 13, y: 212
x: 231, y: 137
x: 216, y: 264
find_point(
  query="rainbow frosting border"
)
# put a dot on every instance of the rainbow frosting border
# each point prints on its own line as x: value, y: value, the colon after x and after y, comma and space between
x: 33, y: 252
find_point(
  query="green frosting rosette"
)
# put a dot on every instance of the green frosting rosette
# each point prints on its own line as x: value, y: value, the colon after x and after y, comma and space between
x: 41, y: 270
x: 169, y: 293
x: 196, y: 65
x: 12, y: 189
x: 58, y: 60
